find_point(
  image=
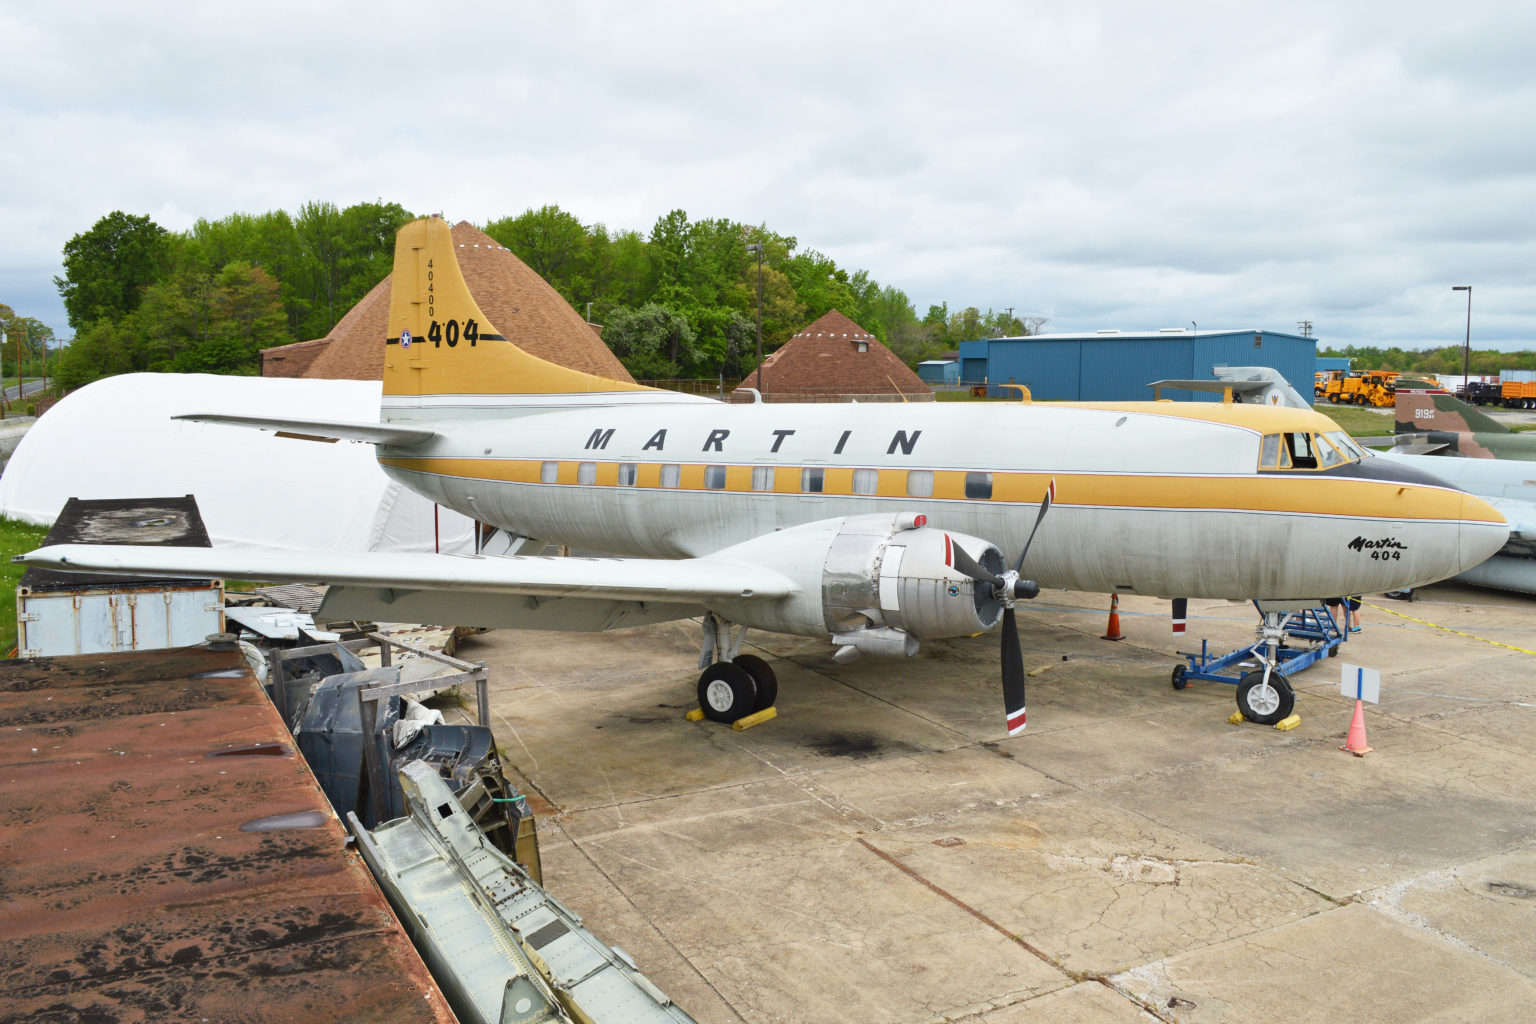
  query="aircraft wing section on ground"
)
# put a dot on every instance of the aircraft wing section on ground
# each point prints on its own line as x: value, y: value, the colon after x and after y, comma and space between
x: 321, y: 430
x: 683, y: 581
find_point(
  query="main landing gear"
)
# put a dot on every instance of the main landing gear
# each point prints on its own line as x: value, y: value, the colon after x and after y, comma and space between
x: 732, y: 685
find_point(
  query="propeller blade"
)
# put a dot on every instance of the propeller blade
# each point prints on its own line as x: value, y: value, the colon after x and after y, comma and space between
x: 1045, y: 506
x: 968, y: 566
x: 1013, y: 674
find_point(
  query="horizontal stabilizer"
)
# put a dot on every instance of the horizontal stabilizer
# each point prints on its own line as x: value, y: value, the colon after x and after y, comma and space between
x: 636, y: 579
x: 321, y: 430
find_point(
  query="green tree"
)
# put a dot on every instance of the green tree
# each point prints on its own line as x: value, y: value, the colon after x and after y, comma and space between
x: 555, y: 246
x: 107, y: 268
x: 652, y: 342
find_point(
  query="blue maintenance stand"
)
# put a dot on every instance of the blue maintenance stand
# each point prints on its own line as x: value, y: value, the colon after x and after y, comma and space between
x: 1314, y: 628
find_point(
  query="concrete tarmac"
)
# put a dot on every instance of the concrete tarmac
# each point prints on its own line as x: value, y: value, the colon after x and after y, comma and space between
x: 882, y: 852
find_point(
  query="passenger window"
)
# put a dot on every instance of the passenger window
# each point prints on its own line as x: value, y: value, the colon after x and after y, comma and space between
x: 1300, y: 448
x: 586, y: 472
x: 714, y: 478
x: 919, y: 483
x: 978, y: 485
x: 811, y: 479
x: 762, y: 478
x: 866, y: 481
x: 627, y: 473
x: 671, y: 476
x: 549, y: 472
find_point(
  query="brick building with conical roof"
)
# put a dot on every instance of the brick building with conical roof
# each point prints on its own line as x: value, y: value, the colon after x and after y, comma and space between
x: 834, y: 359
x: 525, y: 309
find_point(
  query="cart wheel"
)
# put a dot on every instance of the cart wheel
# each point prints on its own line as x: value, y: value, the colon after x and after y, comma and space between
x: 1180, y: 677
x: 1333, y: 652
x: 1264, y: 703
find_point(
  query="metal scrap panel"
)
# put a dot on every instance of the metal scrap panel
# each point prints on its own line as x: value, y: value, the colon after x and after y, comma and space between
x: 168, y: 855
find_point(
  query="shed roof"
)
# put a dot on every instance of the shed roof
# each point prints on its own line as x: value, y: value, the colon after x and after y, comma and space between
x: 525, y: 309
x: 835, y: 356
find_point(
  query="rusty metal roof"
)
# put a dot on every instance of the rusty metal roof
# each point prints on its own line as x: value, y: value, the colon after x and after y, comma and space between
x: 166, y: 853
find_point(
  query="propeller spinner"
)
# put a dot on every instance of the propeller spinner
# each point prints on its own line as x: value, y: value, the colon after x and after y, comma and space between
x: 1008, y: 588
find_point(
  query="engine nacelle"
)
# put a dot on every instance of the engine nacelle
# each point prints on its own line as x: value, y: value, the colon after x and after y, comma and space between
x: 870, y: 582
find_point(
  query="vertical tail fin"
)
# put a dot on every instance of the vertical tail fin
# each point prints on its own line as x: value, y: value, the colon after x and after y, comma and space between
x: 1423, y: 406
x: 438, y: 342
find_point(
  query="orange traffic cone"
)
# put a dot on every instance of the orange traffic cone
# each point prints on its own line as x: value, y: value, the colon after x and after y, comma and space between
x: 1356, y: 743
x: 1113, y: 632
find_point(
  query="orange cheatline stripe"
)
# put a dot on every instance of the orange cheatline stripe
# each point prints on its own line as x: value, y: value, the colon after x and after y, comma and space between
x: 1266, y: 493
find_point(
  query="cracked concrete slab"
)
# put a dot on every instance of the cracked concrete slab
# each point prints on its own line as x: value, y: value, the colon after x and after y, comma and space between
x: 882, y: 852
x: 1352, y: 963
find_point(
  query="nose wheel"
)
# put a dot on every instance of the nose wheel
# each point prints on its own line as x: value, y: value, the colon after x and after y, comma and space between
x: 1265, y: 697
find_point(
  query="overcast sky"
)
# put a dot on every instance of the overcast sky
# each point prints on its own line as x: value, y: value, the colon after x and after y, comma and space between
x: 1105, y: 165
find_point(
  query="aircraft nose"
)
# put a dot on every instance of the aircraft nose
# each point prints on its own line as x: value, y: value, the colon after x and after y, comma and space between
x: 1483, y: 531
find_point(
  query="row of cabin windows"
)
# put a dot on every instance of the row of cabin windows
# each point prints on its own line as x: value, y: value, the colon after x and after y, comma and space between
x: 812, y: 478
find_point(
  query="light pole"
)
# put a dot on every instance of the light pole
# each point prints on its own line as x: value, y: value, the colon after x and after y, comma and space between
x: 1466, y: 347
x: 757, y: 247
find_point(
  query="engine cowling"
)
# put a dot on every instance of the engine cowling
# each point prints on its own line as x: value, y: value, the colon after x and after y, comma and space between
x: 874, y: 583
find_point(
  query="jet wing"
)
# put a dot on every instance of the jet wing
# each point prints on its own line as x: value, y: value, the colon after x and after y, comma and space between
x: 1522, y: 526
x: 321, y: 430
x: 683, y: 581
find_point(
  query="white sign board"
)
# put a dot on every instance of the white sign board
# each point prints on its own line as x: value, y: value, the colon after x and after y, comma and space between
x: 1360, y: 683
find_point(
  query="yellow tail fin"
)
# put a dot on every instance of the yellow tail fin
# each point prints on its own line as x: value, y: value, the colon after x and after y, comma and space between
x: 438, y: 342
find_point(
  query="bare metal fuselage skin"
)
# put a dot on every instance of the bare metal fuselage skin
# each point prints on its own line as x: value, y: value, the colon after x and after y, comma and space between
x: 1151, y: 499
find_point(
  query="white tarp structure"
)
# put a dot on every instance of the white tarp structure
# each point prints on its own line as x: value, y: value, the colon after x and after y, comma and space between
x: 116, y: 439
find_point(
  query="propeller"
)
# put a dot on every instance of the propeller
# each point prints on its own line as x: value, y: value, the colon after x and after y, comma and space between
x: 1008, y: 588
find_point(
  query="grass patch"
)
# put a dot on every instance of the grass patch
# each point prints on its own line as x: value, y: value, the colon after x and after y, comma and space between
x: 1358, y: 422
x: 15, y: 538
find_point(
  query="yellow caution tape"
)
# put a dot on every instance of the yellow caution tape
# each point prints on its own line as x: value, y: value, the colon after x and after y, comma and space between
x: 1447, y: 629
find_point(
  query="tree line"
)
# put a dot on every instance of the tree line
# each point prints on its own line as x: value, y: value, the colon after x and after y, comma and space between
x: 1433, y: 361
x: 678, y: 302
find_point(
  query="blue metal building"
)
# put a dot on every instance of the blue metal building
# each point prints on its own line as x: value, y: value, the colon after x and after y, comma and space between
x: 1118, y: 366
x: 939, y: 371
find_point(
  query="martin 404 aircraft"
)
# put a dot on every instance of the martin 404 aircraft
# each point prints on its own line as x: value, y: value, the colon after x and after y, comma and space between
x: 877, y: 526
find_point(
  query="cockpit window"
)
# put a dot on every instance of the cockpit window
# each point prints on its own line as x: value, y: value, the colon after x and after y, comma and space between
x: 1308, y: 451
x: 1346, y: 445
x: 1327, y: 455
x: 1300, y: 448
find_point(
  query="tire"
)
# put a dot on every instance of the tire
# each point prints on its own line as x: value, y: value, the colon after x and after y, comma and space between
x: 1359, y: 399
x: 1265, y: 705
x: 1180, y: 677
x: 763, y: 678
x: 726, y: 692
x: 1334, y: 398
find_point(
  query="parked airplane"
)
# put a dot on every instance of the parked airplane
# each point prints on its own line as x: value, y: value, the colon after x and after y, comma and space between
x: 1431, y: 421
x: 876, y: 526
x: 1475, y: 452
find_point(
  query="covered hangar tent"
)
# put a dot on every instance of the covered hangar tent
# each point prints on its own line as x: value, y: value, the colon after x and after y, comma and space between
x: 116, y: 439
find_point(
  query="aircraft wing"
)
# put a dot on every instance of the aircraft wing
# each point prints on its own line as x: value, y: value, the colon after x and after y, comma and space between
x: 682, y: 581
x: 1522, y: 525
x: 321, y: 430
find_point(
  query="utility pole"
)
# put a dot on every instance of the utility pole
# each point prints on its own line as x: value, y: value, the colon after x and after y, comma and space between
x: 1466, y: 347
x: 757, y: 247
x: 1306, y: 328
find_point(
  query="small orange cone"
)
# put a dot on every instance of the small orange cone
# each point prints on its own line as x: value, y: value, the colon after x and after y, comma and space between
x: 1355, y: 743
x: 1113, y: 632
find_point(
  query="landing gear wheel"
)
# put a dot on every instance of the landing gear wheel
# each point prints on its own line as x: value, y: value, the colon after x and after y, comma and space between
x: 1180, y: 677
x: 762, y: 676
x: 726, y: 692
x: 1265, y: 703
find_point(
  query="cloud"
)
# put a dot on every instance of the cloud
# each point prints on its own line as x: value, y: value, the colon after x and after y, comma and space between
x: 1103, y: 164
